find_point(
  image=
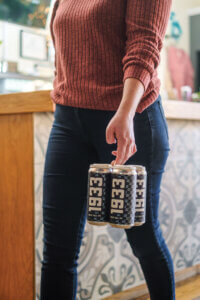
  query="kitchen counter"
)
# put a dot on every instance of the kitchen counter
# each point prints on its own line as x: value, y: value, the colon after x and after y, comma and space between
x: 40, y: 101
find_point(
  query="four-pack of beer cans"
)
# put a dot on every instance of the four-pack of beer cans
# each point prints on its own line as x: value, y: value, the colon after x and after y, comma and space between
x: 116, y: 195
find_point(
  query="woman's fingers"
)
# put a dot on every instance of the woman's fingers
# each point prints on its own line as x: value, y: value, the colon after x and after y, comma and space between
x: 134, y: 149
x: 124, y: 150
x: 121, y: 150
x: 110, y: 135
x: 128, y: 153
x: 131, y: 150
x: 120, y: 130
x: 113, y: 162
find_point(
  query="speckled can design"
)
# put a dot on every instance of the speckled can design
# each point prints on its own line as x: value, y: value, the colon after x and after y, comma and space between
x: 123, y: 196
x: 98, y: 194
x: 140, y: 207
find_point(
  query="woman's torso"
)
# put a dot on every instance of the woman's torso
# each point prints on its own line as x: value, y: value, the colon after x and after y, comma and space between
x: 90, y: 41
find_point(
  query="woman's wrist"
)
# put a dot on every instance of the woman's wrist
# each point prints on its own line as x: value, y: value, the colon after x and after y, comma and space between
x: 126, y: 110
x: 132, y: 94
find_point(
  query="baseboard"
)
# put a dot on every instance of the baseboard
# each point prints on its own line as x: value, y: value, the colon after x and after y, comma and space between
x: 140, y: 292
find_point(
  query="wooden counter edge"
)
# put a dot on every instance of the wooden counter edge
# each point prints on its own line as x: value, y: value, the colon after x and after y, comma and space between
x: 26, y: 102
x: 40, y: 101
x: 181, y: 110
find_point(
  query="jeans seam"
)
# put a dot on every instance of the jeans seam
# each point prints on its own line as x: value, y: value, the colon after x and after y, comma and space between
x: 164, y: 119
x: 151, y: 210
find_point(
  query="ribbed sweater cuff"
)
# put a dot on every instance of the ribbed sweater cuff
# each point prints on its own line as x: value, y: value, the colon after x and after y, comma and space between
x: 138, y: 72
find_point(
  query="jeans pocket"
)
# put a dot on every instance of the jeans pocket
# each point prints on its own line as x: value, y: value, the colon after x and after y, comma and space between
x: 164, y: 118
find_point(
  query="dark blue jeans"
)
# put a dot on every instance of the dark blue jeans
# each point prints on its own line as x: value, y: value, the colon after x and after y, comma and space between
x: 77, y: 139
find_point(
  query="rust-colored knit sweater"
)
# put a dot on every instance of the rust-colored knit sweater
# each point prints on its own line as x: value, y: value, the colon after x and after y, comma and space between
x: 100, y: 43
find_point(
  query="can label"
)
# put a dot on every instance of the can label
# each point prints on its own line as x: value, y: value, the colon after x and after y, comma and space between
x: 140, y: 206
x: 123, y: 193
x: 98, y: 196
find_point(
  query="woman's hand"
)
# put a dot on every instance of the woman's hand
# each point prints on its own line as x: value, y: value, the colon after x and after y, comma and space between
x: 120, y: 127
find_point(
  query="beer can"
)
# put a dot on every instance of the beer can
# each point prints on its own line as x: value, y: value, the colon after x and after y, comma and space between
x: 140, y: 207
x: 98, y: 193
x: 123, y: 196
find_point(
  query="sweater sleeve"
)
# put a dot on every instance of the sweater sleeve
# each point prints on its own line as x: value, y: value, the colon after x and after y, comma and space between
x: 55, y: 6
x: 146, y: 24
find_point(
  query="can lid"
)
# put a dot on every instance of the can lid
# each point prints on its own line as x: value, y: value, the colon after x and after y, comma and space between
x: 100, y: 165
x: 125, y: 168
x: 139, y: 167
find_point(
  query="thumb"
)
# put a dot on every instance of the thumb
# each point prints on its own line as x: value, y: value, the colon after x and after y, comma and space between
x: 134, y: 150
x: 110, y: 135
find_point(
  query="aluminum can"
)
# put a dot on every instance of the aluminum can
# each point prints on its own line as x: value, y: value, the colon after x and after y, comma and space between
x: 123, y: 196
x: 140, y: 207
x: 98, y: 193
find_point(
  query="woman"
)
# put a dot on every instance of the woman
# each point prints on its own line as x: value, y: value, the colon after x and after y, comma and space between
x: 108, y: 110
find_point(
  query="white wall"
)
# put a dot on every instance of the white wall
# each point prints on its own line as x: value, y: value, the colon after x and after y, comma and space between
x: 10, y: 49
x: 182, y: 8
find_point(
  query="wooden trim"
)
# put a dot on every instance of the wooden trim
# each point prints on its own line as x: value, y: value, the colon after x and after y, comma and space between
x: 181, y: 110
x: 184, y: 274
x: 17, y: 233
x: 140, y: 292
x: 26, y: 102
